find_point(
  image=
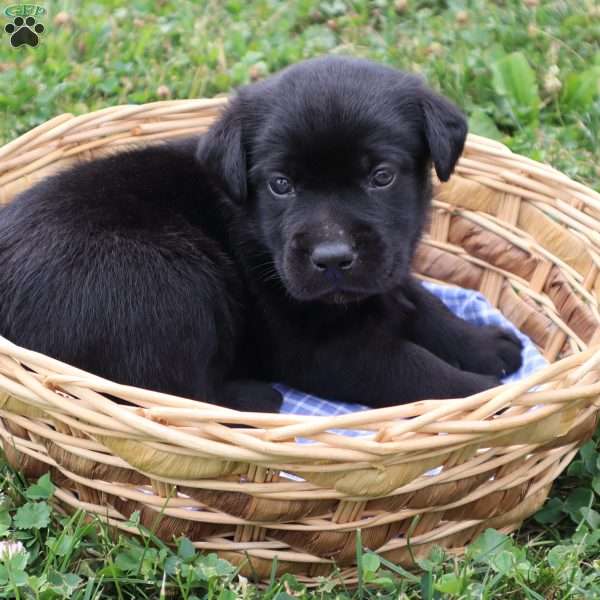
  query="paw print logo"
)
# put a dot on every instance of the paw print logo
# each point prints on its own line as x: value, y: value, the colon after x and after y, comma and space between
x: 24, y: 31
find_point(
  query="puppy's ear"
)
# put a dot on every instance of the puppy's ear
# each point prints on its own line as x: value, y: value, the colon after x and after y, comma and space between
x: 445, y: 130
x: 221, y: 151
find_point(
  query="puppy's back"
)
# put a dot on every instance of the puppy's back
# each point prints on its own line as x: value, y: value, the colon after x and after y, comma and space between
x: 117, y: 266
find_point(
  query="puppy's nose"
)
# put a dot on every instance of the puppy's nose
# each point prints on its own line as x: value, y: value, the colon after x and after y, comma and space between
x: 333, y: 255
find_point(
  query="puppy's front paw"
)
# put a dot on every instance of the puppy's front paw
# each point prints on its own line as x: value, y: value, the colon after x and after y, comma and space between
x: 493, y: 351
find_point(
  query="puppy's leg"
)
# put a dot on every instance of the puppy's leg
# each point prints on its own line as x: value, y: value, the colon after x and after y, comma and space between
x: 488, y: 350
x: 373, y: 365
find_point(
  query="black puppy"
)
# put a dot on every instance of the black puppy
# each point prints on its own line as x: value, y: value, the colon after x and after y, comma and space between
x: 276, y: 249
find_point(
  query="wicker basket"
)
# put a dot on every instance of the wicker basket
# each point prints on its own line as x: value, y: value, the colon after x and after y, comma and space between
x: 522, y: 233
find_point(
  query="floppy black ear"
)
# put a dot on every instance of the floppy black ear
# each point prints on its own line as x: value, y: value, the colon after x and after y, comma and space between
x: 221, y: 151
x: 445, y: 130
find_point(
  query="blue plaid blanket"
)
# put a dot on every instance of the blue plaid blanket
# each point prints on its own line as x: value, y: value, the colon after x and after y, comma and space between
x: 467, y: 304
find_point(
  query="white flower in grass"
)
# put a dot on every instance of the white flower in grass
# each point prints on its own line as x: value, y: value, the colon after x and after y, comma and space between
x: 9, y: 548
x: 163, y: 91
x: 552, y: 83
x: 163, y: 587
x: 400, y: 6
x: 243, y: 584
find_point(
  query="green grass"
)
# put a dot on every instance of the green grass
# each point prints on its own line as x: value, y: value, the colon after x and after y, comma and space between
x: 114, y: 52
x: 525, y: 75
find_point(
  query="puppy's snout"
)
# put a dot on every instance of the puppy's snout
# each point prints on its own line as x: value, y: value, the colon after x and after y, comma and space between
x: 333, y: 255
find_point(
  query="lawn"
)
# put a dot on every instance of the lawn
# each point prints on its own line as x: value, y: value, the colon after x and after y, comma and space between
x: 526, y: 72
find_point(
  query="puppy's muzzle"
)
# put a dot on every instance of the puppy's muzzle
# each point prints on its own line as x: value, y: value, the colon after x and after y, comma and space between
x: 332, y: 257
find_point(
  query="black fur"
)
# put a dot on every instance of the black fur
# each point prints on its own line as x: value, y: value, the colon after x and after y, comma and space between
x: 176, y: 267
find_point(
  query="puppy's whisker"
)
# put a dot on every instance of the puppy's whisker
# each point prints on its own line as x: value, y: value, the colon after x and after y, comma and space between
x: 265, y: 271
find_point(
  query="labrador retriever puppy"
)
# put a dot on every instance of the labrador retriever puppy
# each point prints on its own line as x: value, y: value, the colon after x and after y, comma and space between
x: 276, y: 247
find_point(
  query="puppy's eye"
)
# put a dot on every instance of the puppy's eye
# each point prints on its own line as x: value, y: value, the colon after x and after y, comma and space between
x: 280, y: 185
x: 382, y: 177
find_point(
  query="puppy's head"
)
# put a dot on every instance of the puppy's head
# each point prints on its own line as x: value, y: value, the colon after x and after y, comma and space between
x: 330, y: 161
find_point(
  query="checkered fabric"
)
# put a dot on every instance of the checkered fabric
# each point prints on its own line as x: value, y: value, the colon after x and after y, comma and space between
x: 467, y: 304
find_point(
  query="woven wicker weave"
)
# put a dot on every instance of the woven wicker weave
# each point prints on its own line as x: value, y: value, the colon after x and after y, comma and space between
x: 524, y: 234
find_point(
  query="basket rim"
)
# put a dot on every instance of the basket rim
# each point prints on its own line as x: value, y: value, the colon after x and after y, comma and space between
x: 57, y: 126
